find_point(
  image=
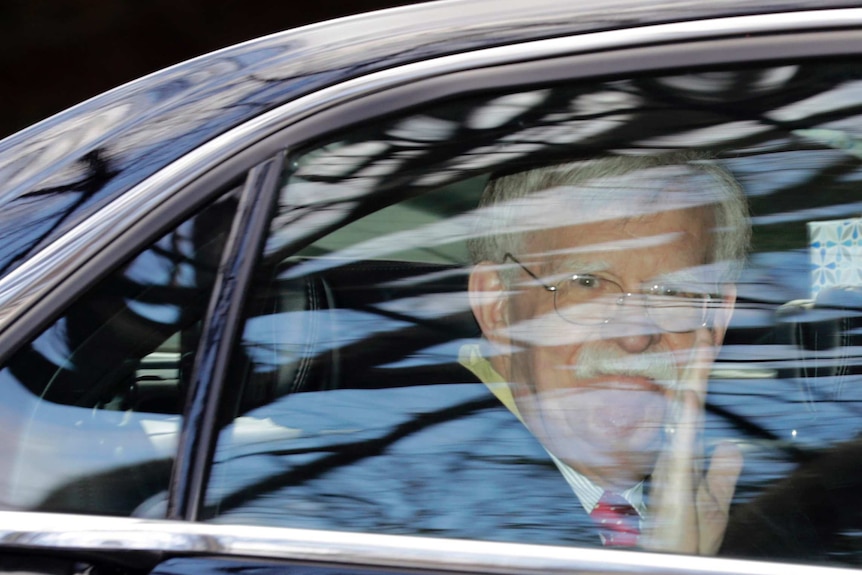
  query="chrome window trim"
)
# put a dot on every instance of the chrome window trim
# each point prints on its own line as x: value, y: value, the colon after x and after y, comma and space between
x: 40, y: 274
x: 56, y: 532
x: 210, y: 371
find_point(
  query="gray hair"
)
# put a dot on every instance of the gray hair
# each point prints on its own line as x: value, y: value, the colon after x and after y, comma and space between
x: 504, y: 215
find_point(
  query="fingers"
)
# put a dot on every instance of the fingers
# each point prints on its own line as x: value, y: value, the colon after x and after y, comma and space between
x: 696, y: 373
x: 677, y: 480
x: 715, y: 495
x: 683, y: 449
x: 672, y: 507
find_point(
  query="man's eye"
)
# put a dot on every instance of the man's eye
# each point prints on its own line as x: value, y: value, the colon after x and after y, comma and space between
x: 586, y: 281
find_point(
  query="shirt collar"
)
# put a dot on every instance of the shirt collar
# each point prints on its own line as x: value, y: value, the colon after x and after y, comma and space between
x: 587, y: 492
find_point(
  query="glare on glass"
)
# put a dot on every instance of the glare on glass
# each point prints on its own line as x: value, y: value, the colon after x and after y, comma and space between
x: 593, y: 299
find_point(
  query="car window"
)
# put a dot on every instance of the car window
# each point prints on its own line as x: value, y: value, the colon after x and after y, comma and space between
x: 427, y: 352
x: 92, y: 406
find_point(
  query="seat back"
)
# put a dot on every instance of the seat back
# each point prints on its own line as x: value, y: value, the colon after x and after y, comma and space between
x: 325, y: 324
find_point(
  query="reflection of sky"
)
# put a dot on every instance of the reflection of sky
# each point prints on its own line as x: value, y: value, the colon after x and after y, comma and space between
x: 806, y: 405
x: 428, y: 306
x: 844, y: 96
x: 440, y: 232
x: 158, y: 312
x: 765, y: 174
x: 436, y: 354
x: 275, y: 339
x: 502, y: 110
x: 776, y: 277
x: 422, y: 129
x: 709, y: 136
x: 58, y: 443
x: 339, y: 160
x: 53, y: 344
x: 154, y: 268
x: 480, y: 452
x: 828, y: 212
x: 788, y: 356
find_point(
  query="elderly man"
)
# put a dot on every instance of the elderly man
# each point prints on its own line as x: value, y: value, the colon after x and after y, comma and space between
x: 603, y: 289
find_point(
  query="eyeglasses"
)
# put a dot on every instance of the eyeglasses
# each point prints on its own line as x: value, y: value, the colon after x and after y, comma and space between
x: 592, y: 299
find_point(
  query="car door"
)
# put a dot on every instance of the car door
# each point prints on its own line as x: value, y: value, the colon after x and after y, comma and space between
x: 275, y: 378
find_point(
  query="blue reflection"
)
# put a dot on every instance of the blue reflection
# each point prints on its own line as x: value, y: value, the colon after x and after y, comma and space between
x: 53, y: 345
x: 163, y: 313
x: 280, y: 338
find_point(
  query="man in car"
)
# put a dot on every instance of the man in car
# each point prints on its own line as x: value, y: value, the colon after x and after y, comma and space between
x: 603, y: 290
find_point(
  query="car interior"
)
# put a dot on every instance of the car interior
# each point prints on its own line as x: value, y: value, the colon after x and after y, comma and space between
x: 361, y: 290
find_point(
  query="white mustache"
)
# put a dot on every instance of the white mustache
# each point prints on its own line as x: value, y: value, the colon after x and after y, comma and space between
x: 596, y: 361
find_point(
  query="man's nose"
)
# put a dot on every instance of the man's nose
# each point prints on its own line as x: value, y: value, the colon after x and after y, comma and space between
x: 632, y: 328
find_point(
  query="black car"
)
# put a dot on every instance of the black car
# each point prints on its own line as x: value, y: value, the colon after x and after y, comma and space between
x: 234, y: 293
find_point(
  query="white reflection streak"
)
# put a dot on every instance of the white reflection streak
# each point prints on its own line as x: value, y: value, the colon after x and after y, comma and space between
x: 307, y: 193
x: 539, y: 212
x: 299, y: 223
x: 844, y: 96
x: 455, y: 229
x: 423, y: 129
x: 567, y: 133
x: 340, y: 160
x: 609, y: 199
x: 709, y: 83
x: 819, y: 213
x: 770, y: 173
x: 503, y: 109
x: 440, y: 177
x: 837, y: 139
x: 428, y: 306
x: 708, y: 136
x: 582, y: 130
x: 603, y: 102
x: 381, y: 168
x: 521, y: 143
x: 490, y: 159
x: 617, y: 245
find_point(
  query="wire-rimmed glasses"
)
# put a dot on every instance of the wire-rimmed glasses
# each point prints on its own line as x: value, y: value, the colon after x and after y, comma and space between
x: 590, y: 299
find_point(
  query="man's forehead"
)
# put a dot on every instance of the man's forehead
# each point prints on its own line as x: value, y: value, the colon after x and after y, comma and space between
x: 591, y: 248
x: 637, y: 193
x: 682, y: 236
x: 612, y: 238
x: 615, y: 199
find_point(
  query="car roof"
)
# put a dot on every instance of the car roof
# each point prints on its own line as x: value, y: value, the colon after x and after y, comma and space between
x: 102, y: 147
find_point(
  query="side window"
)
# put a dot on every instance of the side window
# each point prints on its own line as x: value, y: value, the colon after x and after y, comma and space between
x: 92, y: 406
x: 526, y: 316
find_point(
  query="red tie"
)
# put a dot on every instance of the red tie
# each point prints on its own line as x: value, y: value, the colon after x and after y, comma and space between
x: 619, y: 523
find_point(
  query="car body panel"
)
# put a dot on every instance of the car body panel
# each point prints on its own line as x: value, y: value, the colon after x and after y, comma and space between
x: 97, y: 174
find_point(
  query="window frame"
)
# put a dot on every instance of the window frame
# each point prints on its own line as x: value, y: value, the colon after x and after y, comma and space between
x: 651, y: 59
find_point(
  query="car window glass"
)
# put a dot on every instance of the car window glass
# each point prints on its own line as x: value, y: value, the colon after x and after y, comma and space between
x: 92, y: 405
x: 373, y: 393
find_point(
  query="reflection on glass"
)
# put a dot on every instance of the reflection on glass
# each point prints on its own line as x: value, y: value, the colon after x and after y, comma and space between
x: 536, y: 316
x: 92, y: 404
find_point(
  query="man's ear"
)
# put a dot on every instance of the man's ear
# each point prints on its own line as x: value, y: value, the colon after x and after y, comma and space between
x: 488, y: 298
x: 723, y: 313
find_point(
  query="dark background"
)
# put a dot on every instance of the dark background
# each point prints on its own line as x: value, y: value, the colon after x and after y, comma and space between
x: 56, y: 53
